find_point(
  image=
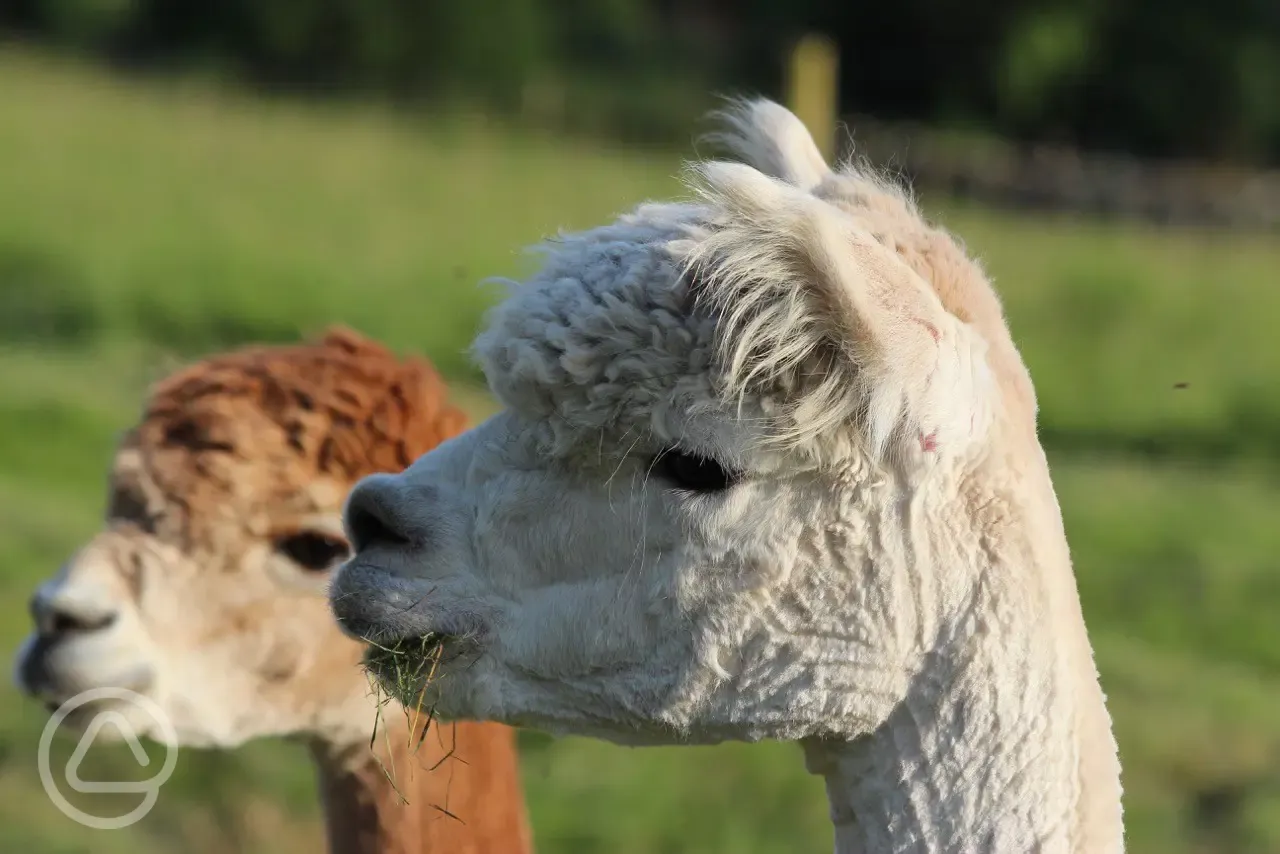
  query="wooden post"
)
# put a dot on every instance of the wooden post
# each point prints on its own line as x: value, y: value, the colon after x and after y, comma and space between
x: 813, y: 89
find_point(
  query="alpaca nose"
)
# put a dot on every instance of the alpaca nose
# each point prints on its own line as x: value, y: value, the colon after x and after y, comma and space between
x: 60, y: 613
x: 383, y: 511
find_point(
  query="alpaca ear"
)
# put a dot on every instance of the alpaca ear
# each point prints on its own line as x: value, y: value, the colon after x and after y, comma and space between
x: 796, y: 283
x: 769, y: 137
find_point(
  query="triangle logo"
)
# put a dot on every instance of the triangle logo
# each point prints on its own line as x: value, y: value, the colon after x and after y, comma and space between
x: 121, y: 723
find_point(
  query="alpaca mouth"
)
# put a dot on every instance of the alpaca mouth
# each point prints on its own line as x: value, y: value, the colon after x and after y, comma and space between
x: 53, y: 671
x: 407, y: 667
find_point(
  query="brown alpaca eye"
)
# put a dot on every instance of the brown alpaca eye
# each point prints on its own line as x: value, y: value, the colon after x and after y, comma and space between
x: 693, y: 472
x: 313, y: 551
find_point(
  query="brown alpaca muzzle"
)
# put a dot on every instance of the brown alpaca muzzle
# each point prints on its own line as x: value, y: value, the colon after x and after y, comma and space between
x: 83, y: 637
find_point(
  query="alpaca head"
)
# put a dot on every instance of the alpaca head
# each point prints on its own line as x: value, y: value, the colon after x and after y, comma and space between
x: 205, y: 589
x: 732, y: 494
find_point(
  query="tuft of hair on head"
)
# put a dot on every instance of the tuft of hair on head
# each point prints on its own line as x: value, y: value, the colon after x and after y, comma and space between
x: 367, y: 410
x: 815, y: 312
x: 769, y: 137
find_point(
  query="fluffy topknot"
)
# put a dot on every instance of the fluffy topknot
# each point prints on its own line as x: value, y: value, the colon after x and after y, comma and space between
x: 345, y: 401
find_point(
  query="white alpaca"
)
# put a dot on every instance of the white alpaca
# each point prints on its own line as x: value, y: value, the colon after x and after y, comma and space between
x: 768, y: 469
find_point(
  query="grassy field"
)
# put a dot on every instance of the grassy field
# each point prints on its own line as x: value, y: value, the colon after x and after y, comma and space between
x: 142, y: 224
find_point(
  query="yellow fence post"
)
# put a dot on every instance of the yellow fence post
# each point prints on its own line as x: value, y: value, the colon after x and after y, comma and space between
x: 813, y: 90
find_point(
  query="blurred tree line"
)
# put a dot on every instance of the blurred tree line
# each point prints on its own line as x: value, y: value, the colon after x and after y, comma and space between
x: 1153, y: 77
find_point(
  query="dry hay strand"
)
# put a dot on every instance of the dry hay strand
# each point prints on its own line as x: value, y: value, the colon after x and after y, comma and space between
x: 407, y: 664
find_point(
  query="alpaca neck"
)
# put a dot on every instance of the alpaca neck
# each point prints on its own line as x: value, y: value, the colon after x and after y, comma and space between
x: 470, y: 804
x: 1002, y: 743
x: 983, y: 768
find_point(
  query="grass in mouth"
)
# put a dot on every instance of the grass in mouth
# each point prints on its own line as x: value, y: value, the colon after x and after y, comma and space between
x: 403, y: 671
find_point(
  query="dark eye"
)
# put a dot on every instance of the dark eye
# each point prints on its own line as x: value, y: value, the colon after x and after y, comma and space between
x: 693, y: 472
x: 128, y: 504
x: 313, y: 550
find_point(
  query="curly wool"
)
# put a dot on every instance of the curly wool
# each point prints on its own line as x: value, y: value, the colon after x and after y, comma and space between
x: 748, y: 298
x: 332, y: 410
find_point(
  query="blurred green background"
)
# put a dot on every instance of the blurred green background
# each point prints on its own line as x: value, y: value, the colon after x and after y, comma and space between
x: 157, y: 210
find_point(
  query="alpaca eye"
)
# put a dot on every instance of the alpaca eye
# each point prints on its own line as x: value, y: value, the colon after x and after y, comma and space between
x: 313, y: 550
x: 693, y: 472
x: 127, y: 503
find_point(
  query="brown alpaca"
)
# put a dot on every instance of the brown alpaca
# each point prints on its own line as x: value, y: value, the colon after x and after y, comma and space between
x: 205, y: 590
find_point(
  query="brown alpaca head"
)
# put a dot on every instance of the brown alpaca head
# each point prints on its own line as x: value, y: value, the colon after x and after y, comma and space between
x: 204, y: 591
